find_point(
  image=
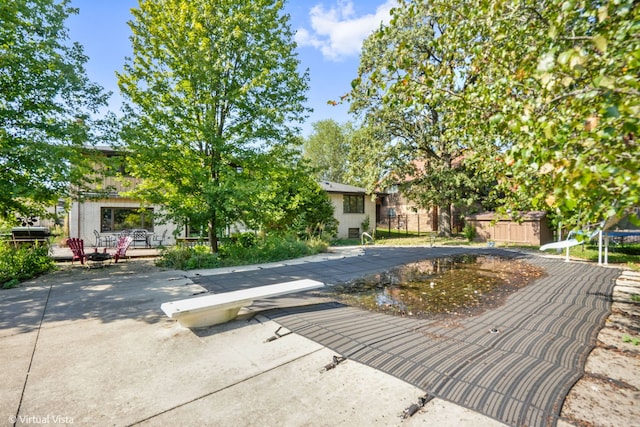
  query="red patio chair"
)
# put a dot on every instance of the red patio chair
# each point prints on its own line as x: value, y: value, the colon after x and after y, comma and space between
x: 123, y: 245
x: 77, y: 247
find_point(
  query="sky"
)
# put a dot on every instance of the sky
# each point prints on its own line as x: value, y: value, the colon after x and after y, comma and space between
x: 329, y: 34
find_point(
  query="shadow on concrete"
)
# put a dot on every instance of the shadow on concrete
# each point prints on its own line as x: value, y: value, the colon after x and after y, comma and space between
x: 77, y: 293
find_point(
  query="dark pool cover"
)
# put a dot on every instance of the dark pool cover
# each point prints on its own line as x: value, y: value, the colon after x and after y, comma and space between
x: 515, y: 363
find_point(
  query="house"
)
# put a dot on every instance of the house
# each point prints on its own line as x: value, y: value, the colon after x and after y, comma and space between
x: 397, y: 212
x: 354, y: 209
x: 110, y: 213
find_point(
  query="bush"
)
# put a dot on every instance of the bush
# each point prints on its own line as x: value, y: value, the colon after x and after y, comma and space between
x: 21, y: 264
x: 239, y: 252
x: 469, y: 231
x: 247, y: 239
x: 186, y: 258
x: 633, y: 249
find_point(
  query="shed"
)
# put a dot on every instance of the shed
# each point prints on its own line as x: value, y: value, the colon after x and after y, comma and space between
x: 530, y: 228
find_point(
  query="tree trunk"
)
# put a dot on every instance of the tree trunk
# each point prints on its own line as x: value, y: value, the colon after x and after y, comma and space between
x: 213, y: 237
x: 444, y: 220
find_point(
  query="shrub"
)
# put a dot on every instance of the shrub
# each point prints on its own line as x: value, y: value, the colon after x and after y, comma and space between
x: 21, y: 264
x: 240, y: 252
x: 247, y: 239
x: 187, y: 258
x: 469, y: 231
x: 13, y: 283
x: 633, y: 249
x: 366, y: 224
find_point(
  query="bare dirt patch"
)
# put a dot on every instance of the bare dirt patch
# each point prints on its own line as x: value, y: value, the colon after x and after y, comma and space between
x: 609, y: 392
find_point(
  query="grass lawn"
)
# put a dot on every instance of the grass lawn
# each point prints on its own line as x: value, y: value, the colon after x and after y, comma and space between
x: 616, y: 256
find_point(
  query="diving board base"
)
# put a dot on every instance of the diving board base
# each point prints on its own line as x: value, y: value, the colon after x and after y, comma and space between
x: 211, y: 317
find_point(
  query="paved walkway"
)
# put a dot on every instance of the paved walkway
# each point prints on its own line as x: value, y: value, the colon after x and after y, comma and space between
x: 93, y: 348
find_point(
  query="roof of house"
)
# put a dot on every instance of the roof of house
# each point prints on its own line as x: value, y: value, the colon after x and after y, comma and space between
x: 334, y: 187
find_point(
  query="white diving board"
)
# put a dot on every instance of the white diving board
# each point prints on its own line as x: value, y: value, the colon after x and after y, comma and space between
x: 572, y: 241
x: 208, y: 310
x: 604, y: 231
x: 561, y: 244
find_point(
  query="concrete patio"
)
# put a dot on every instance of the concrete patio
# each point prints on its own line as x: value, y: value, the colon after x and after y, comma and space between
x: 92, y: 347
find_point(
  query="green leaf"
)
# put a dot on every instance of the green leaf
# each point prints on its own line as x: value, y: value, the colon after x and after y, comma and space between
x: 570, y: 203
x: 564, y: 57
x: 601, y: 43
x: 606, y: 82
x: 612, y: 111
x: 577, y: 60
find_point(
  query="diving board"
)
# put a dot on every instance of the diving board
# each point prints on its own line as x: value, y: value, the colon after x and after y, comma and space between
x: 572, y: 241
x: 605, y: 230
x: 561, y: 244
x: 199, y: 312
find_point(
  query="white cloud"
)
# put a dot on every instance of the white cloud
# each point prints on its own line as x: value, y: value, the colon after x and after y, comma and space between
x: 338, y: 32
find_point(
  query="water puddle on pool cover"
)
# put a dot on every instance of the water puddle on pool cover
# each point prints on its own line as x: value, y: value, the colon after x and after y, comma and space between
x: 461, y: 285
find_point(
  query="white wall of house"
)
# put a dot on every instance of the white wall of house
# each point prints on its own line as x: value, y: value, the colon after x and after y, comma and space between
x: 84, y: 218
x: 352, y: 220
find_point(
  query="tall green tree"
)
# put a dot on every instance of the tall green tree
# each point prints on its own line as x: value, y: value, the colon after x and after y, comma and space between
x: 544, y: 94
x: 283, y: 196
x: 368, y: 158
x: 47, y: 106
x: 212, y: 85
x: 408, y: 84
x: 567, y: 73
x: 327, y: 150
x: 347, y: 154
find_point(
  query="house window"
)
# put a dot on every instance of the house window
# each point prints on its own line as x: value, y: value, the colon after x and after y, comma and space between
x: 353, y: 204
x: 116, y: 219
x: 353, y: 233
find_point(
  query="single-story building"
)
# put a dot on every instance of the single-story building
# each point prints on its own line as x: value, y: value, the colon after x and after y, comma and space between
x: 353, y: 208
x: 531, y: 228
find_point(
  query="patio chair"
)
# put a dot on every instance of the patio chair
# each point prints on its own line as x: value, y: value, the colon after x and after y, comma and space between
x: 140, y: 235
x: 160, y: 239
x: 103, y: 238
x: 97, y: 258
x: 77, y: 247
x: 123, y: 245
